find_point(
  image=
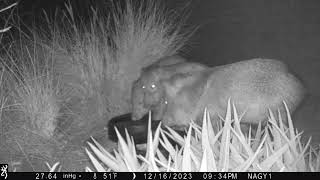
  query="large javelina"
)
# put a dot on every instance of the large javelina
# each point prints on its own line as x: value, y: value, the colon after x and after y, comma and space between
x: 178, y: 93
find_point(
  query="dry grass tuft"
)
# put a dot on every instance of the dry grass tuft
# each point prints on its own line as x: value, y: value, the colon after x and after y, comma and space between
x: 145, y: 33
x: 6, y: 28
x: 68, y: 78
x: 33, y: 102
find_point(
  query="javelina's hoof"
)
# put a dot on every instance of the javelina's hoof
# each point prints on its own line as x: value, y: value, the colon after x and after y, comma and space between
x: 137, y: 129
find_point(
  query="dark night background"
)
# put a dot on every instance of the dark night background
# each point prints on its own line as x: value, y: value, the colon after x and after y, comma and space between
x: 234, y: 30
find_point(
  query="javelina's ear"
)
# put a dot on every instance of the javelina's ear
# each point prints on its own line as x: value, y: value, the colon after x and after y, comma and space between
x: 193, y: 84
x: 173, y: 85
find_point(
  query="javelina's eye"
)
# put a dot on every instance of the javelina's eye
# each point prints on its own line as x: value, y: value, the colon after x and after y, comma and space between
x: 143, y: 87
x: 153, y: 86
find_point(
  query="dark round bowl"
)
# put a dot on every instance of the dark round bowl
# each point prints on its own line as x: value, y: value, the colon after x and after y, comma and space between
x: 137, y: 129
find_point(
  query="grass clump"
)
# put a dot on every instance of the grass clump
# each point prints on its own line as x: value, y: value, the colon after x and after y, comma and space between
x: 66, y: 78
x: 36, y: 92
x: 33, y: 105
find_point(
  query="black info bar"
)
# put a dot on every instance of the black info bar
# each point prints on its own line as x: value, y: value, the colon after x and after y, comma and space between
x: 156, y: 175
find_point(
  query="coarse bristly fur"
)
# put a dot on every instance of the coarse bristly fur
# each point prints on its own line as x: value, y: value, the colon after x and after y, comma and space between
x: 67, y: 81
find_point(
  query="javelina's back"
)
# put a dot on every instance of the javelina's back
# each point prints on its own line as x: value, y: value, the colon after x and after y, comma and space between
x: 254, y: 86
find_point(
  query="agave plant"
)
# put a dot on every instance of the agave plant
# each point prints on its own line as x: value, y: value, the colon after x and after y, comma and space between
x: 273, y: 148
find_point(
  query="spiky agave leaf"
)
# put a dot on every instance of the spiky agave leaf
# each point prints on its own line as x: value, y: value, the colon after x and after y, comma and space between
x: 54, y: 168
x: 223, y: 163
x: 208, y: 159
x: 94, y: 161
x: 238, y: 155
